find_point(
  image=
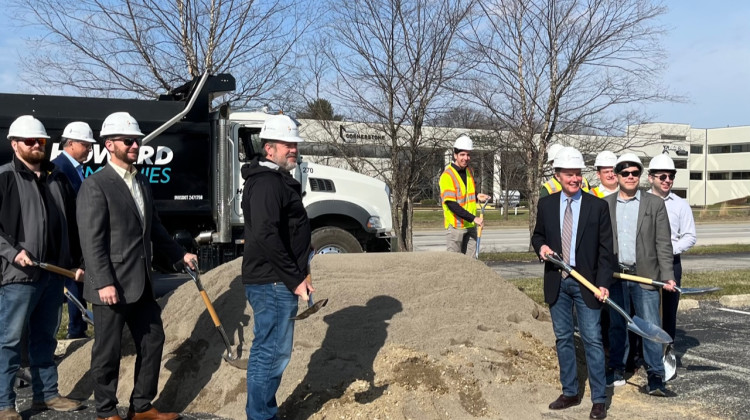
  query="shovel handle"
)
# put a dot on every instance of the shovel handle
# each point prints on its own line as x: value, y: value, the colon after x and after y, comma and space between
x: 639, y: 279
x: 55, y: 269
x: 595, y: 290
x: 210, y: 307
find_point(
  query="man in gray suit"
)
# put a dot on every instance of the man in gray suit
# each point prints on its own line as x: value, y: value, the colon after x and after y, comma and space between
x: 118, y: 223
x: 643, y: 247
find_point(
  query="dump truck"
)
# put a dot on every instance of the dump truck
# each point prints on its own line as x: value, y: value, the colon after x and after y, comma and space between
x: 192, y: 155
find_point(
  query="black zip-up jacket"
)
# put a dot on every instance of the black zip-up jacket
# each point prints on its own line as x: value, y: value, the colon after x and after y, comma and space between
x: 277, y: 230
x: 36, y: 214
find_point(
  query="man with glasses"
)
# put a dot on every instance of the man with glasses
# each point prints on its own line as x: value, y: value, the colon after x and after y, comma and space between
x: 77, y: 139
x: 642, y: 244
x: 37, y: 223
x: 119, y: 223
x: 661, y: 174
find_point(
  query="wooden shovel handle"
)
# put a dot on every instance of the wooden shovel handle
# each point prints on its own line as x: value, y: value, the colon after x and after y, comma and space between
x: 595, y: 290
x: 631, y: 277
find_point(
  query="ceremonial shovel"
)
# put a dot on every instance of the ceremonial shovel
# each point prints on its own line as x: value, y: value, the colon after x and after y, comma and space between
x: 636, y: 324
x: 681, y: 290
x: 87, y: 316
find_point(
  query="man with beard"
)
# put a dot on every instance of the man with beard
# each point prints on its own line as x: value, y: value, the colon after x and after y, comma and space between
x: 275, y: 268
x: 119, y: 223
x: 37, y: 223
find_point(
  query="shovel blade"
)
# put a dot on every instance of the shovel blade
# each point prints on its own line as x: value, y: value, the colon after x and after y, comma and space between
x: 311, y: 310
x: 648, y: 330
x: 698, y: 290
x: 670, y: 362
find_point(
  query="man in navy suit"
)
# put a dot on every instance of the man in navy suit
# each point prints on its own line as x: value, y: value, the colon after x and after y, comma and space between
x: 577, y: 226
x: 76, y: 143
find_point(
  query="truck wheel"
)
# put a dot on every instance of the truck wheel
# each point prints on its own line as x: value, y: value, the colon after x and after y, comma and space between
x: 333, y: 240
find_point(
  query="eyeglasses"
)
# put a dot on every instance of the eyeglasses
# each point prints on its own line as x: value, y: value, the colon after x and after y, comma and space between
x: 663, y: 177
x: 626, y: 174
x: 85, y: 144
x: 32, y: 142
x: 128, y: 141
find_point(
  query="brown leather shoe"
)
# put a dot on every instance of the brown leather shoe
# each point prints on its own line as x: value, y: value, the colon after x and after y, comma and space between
x: 152, y: 414
x: 115, y: 417
x: 598, y: 411
x: 563, y: 402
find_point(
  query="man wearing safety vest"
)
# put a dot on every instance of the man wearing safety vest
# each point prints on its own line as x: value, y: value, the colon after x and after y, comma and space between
x: 605, y: 171
x: 553, y: 185
x: 459, y: 198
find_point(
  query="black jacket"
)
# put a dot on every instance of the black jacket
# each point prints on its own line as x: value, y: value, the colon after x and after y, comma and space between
x: 38, y: 215
x: 277, y: 230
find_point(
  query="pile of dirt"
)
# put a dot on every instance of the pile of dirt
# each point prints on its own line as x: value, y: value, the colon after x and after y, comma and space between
x: 404, y: 336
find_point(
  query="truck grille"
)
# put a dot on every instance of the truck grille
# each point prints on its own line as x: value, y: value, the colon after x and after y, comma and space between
x: 323, y: 185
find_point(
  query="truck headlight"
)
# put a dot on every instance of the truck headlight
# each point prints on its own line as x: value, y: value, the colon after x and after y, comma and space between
x: 374, y: 223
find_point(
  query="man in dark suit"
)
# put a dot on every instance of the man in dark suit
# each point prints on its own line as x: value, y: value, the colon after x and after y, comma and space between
x: 643, y: 247
x: 119, y: 222
x: 576, y: 226
x: 76, y: 143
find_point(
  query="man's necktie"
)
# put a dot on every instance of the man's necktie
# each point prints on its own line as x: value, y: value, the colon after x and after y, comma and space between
x: 567, y: 234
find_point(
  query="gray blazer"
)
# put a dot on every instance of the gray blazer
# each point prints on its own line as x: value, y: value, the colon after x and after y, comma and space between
x: 653, y: 243
x: 116, y: 243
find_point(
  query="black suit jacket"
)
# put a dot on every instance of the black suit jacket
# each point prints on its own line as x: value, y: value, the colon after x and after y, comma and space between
x: 63, y: 163
x: 594, y: 254
x: 116, y: 243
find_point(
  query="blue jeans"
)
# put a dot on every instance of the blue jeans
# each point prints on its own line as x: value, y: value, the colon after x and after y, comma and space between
x: 569, y: 297
x: 273, y: 305
x: 39, y: 305
x: 646, y: 303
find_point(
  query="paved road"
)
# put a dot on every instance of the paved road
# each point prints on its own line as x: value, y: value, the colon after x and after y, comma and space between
x: 517, y: 239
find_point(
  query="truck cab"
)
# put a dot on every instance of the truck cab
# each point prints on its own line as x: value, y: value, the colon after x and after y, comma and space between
x: 349, y: 212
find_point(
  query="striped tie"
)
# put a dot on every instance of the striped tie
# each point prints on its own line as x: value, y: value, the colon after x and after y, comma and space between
x: 567, y: 234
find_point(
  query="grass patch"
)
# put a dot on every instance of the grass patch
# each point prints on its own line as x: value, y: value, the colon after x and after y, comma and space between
x: 718, y: 249
x: 732, y: 282
x: 432, y: 218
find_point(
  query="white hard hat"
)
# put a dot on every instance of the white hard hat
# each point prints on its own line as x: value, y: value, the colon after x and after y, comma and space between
x: 625, y: 159
x: 281, y: 128
x: 27, y: 127
x: 569, y: 158
x: 79, y: 130
x: 661, y: 162
x: 120, y: 123
x: 552, y: 151
x: 463, y: 143
x: 605, y: 159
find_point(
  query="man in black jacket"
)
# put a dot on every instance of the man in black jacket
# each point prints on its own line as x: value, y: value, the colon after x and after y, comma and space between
x: 37, y: 223
x: 275, y: 262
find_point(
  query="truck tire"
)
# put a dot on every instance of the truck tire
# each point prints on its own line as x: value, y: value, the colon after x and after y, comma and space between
x: 333, y: 240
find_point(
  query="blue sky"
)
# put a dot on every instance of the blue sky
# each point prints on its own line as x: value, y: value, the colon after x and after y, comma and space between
x: 708, y: 47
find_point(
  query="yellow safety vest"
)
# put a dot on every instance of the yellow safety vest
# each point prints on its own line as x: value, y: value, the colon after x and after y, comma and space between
x: 552, y: 186
x: 597, y: 191
x: 452, y: 188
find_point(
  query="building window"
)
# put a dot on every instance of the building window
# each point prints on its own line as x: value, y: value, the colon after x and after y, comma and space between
x: 680, y: 193
x: 680, y: 163
x: 696, y: 149
x: 696, y: 176
x: 740, y: 175
x: 718, y: 176
x: 729, y: 148
x: 673, y: 137
x: 719, y: 149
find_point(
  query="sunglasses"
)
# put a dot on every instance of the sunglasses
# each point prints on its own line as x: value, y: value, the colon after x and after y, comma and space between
x: 663, y: 177
x: 626, y: 174
x: 128, y: 141
x: 32, y: 142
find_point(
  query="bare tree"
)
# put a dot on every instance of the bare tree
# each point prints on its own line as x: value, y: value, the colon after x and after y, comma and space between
x: 146, y: 47
x: 392, y: 61
x: 547, y: 68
